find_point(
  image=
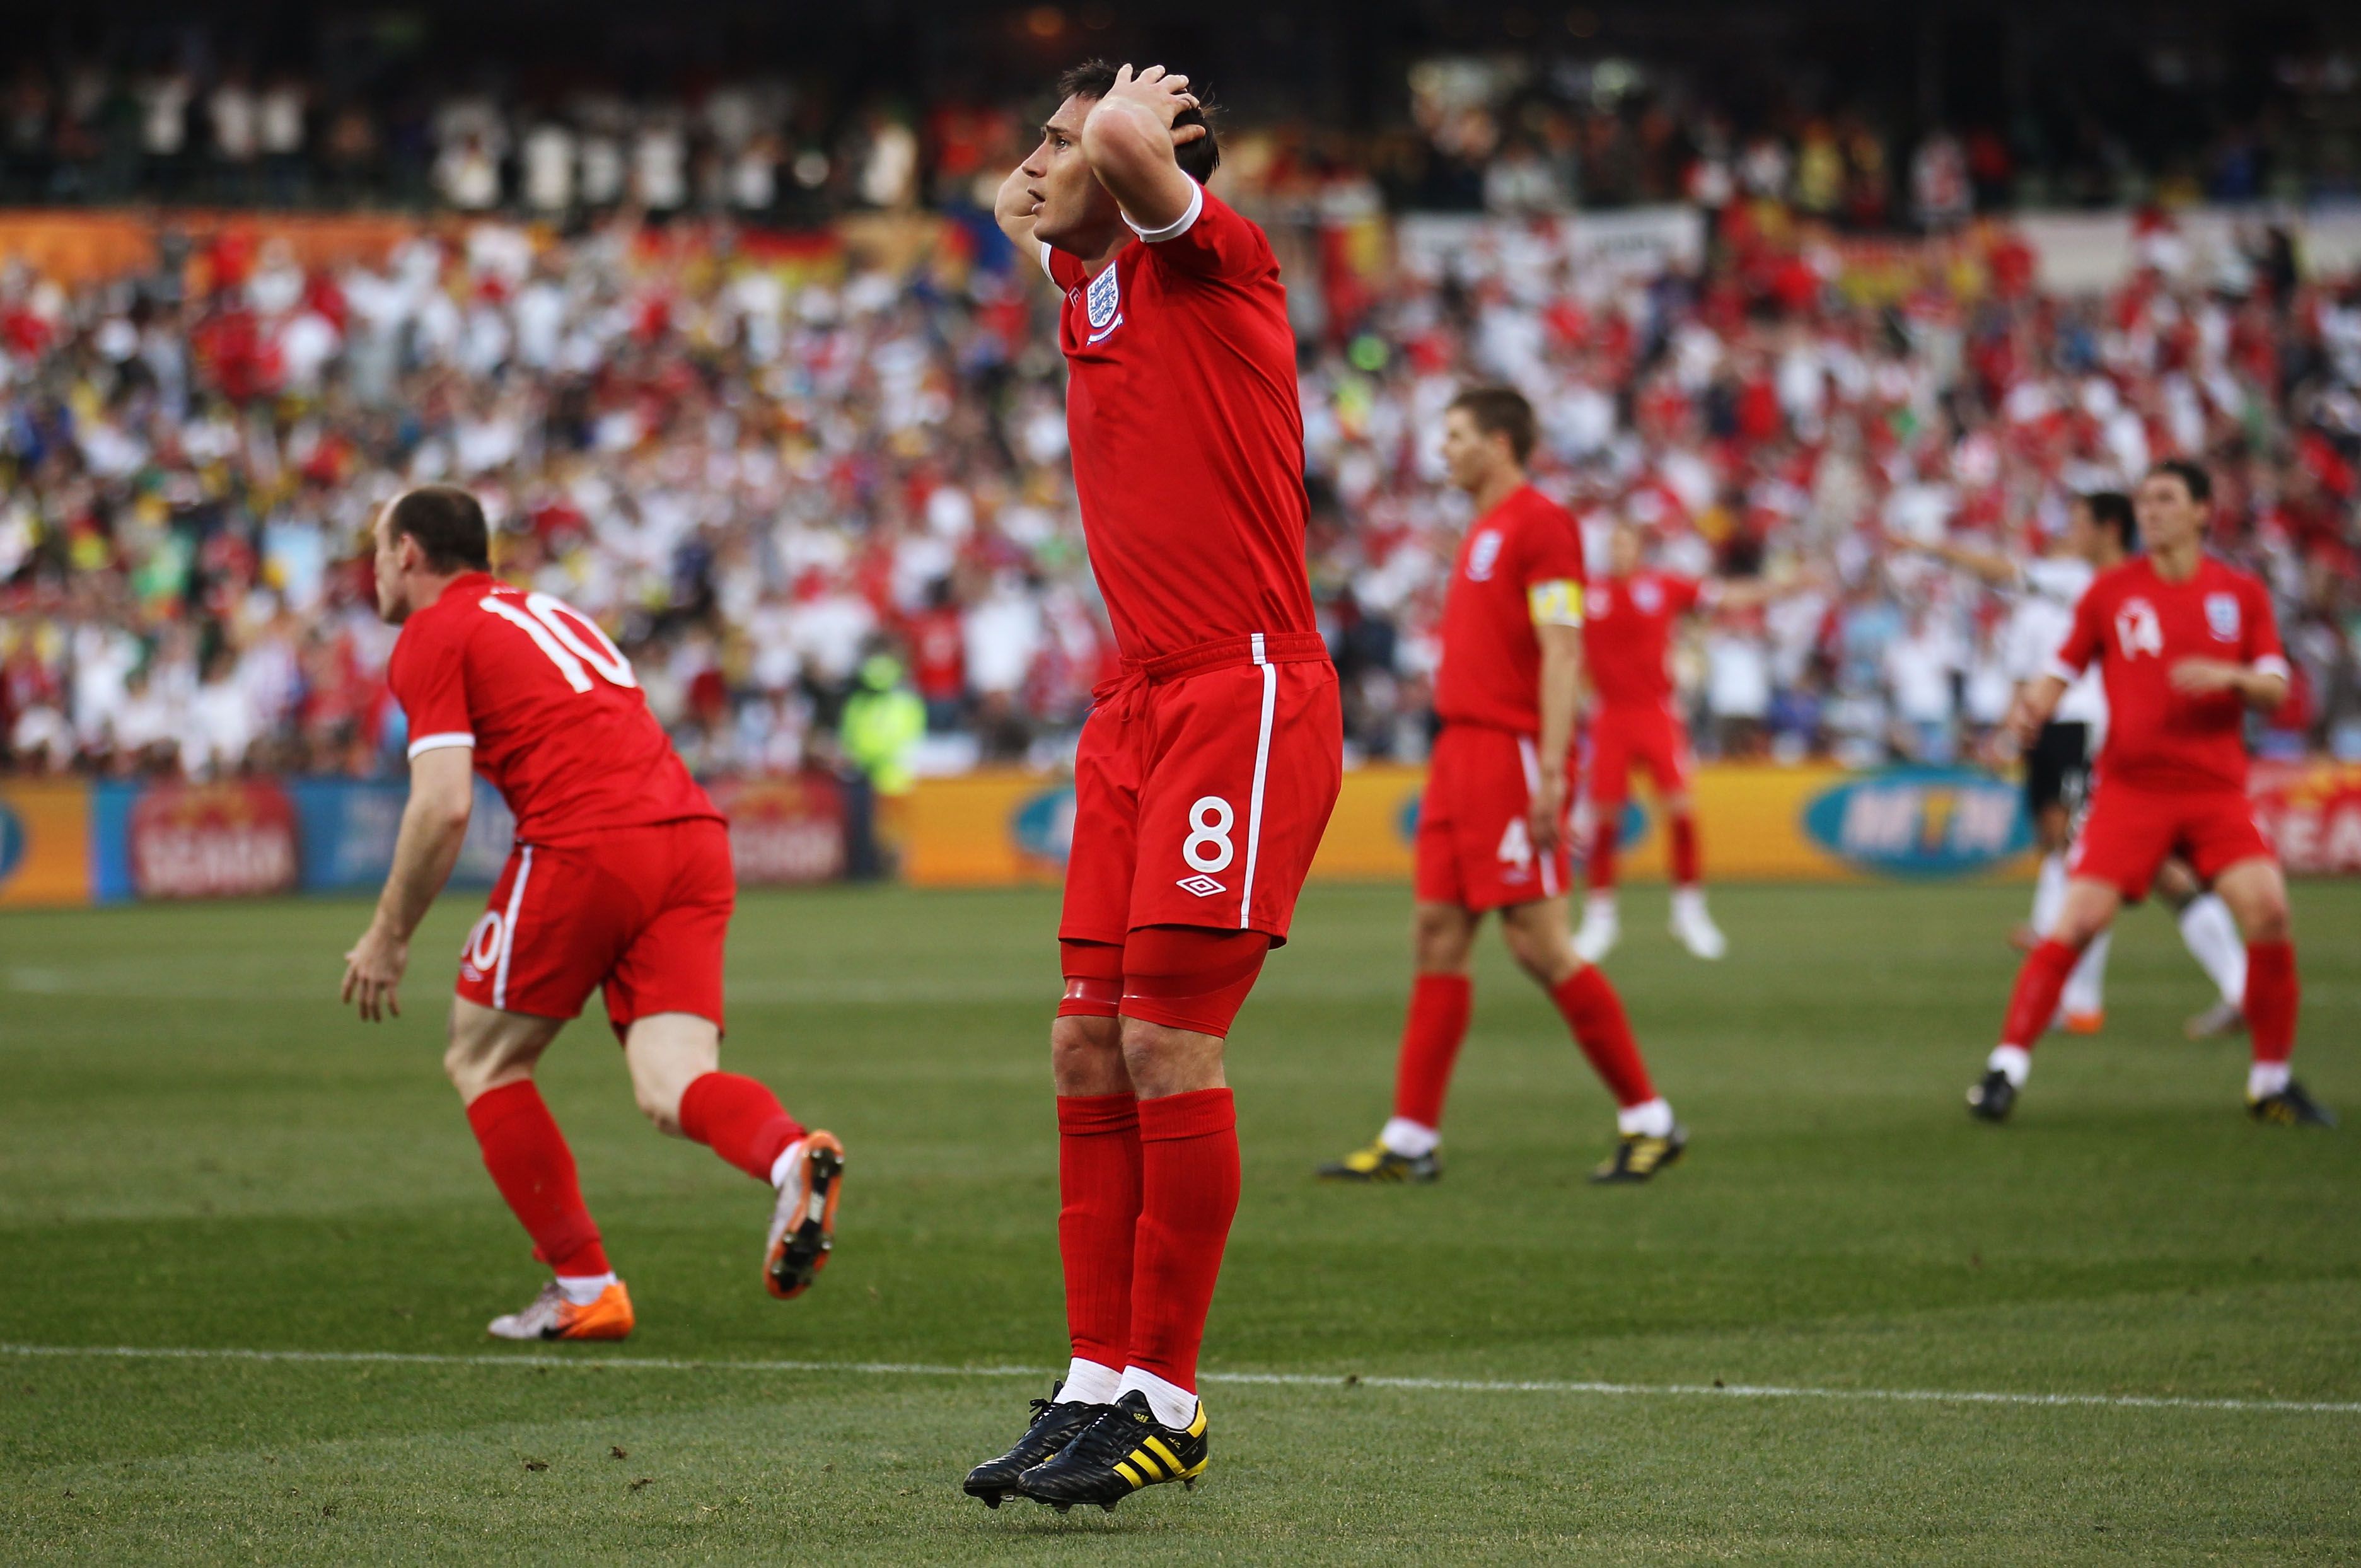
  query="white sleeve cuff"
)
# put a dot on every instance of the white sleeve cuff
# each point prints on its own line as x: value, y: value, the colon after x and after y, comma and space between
x: 2058, y: 669
x: 2272, y: 664
x: 1178, y: 225
x: 438, y: 742
x: 1045, y: 260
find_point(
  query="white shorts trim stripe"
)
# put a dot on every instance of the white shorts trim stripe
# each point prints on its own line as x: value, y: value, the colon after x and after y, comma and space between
x: 438, y: 741
x: 508, y: 928
x: 1261, y: 772
x: 1545, y: 858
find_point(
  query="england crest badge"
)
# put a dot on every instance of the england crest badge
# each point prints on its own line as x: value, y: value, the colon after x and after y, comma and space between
x: 2222, y: 616
x: 1105, y: 302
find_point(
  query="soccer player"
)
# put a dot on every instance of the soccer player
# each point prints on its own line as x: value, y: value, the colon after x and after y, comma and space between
x: 2185, y: 644
x: 2100, y: 533
x: 1491, y: 827
x: 620, y: 879
x: 1205, y: 774
x: 1627, y: 636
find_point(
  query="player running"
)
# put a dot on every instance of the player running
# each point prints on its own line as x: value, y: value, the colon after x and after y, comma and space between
x: 1627, y: 637
x: 2185, y: 644
x: 1491, y: 827
x: 2100, y: 533
x: 1206, y: 771
x: 620, y: 879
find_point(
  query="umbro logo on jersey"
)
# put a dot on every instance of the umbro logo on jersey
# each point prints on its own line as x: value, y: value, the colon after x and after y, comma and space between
x: 1202, y: 885
x: 1104, y: 302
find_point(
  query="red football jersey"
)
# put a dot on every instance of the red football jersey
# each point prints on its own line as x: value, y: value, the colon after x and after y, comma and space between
x: 2138, y: 627
x: 551, y: 706
x: 1187, y: 429
x: 1627, y: 636
x: 1491, y: 671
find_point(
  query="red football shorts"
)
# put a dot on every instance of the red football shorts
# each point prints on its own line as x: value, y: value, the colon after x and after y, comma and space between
x: 2128, y: 831
x: 1625, y: 737
x: 1475, y: 848
x: 1202, y: 785
x: 641, y: 912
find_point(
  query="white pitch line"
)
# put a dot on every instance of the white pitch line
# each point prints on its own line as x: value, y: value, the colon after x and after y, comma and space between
x: 1260, y: 1379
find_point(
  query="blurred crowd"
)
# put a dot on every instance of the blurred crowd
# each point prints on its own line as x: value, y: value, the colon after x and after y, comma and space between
x: 779, y: 481
x: 1538, y: 125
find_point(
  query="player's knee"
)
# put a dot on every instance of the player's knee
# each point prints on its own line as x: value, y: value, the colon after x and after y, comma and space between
x: 2265, y: 918
x: 660, y: 1104
x: 1086, y: 1055
x: 1439, y: 936
x: 1540, y: 953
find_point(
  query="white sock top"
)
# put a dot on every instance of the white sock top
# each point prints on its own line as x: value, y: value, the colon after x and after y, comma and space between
x: 1649, y: 1119
x: 1089, y: 1383
x: 581, y: 1289
x: 1173, y: 1405
x: 1407, y: 1138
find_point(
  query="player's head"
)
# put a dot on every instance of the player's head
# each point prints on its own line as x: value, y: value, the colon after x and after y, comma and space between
x: 427, y: 536
x: 1487, y: 434
x: 2173, y: 503
x: 1624, y: 549
x: 2101, y: 527
x: 1075, y: 212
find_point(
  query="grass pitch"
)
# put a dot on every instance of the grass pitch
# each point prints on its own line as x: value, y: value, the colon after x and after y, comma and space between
x: 198, y: 1151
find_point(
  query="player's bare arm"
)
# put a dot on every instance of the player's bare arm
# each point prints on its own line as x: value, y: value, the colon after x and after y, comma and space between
x: 1998, y: 570
x: 2260, y: 686
x: 1561, y: 693
x: 434, y: 827
x: 2035, y: 701
x: 1128, y: 140
x: 1015, y: 209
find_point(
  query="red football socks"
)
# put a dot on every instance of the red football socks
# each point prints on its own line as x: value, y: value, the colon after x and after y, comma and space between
x: 1098, y: 1211
x: 1439, y: 1006
x: 2039, y: 985
x: 535, y: 1171
x: 2271, y: 996
x: 738, y: 1119
x: 1595, y: 1013
x: 1682, y: 830
x: 1189, y: 1188
x: 1602, y: 849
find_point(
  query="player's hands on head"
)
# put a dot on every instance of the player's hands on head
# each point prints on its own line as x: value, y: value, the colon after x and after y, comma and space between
x: 1161, y: 93
x: 373, y: 974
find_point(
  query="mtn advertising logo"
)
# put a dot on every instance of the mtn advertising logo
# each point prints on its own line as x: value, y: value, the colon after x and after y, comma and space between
x: 1921, y: 822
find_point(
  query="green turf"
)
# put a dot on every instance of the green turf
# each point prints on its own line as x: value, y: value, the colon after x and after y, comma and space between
x: 198, y: 1150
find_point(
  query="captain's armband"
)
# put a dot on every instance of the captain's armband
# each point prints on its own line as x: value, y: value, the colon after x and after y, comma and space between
x: 1557, y: 602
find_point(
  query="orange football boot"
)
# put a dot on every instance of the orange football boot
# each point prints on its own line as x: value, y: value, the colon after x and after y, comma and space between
x: 803, y: 1227
x: 552, y: 1316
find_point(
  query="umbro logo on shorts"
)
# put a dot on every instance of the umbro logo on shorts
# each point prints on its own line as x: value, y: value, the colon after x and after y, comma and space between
x: 1202, y: 886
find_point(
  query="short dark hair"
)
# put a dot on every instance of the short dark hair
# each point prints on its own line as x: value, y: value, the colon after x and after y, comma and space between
x: 2191, y: 473
x: 449, y: 526
x: 1199, y: 159
x: 1501, y: 410
x: 2113, y: 509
